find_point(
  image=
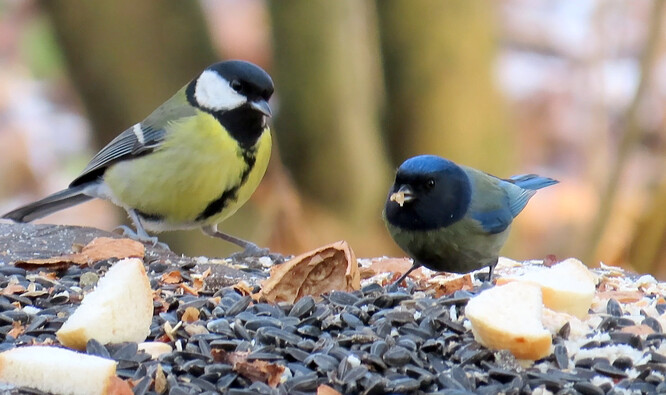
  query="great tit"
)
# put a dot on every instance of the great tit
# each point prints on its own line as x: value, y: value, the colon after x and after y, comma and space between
x: 454, y: 218
x: 190, y: 164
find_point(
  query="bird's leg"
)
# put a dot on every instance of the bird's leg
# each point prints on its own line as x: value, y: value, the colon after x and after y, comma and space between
x: 140, y: 234
x: 491, y: 269
x: 415, y: 266
x: 249, y: 248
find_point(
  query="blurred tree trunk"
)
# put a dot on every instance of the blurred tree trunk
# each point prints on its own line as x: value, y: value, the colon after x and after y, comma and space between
x: 647, y: 250
x: 328, y: 77
x: 127, y: 57
x: 441, y: 96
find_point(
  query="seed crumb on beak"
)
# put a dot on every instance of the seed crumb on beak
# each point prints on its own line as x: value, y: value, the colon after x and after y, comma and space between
x: 398, y: 197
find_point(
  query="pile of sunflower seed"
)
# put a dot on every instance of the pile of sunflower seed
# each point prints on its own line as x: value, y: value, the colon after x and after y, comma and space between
x: 372, y: 341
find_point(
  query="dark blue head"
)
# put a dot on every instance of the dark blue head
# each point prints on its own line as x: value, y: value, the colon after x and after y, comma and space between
x: 429, y: 192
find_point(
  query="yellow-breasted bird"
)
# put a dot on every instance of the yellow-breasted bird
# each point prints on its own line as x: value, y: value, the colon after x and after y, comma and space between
x: 190, y: 164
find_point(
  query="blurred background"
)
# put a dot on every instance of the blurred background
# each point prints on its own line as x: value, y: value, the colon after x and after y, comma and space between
x: 574, y: 90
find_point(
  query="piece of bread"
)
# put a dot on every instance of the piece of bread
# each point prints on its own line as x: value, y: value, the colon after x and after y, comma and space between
x: 567, y: 287
x: 57, y: 370
x: 508, y: 317
x: 120, y: 309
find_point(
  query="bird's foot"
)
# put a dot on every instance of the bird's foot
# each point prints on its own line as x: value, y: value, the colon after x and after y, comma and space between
x: 143, y: 238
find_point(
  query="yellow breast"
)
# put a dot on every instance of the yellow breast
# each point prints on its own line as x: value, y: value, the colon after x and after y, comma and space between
x: 197, y: 163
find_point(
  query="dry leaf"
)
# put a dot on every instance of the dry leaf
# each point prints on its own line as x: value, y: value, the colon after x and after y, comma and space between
x: 190, y: 315
x: 189, y: 290
x: 329, y: 268
x: 393, y: 265
x: 324, y: 389
x: 450, y: 283
x: 257, y: 370
x: 17, y: 329
x: 172, y: 277
x: 101, y: 248
x: 366, y: 272
x: 12, y: 289
x: 243, y: 288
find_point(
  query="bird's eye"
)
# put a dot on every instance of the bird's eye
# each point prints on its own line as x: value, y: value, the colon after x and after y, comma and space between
x: 236, y: 85
x: 430, y: 183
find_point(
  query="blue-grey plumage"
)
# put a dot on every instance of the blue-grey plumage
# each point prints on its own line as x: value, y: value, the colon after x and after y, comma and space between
x: 454, y: 218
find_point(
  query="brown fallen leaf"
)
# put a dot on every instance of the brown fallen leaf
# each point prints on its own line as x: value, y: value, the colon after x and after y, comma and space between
x: 190, y: 315
x: 328, y: 268
x: 17, y: 329
x: 256, y: 370
x: 12, y: 289
x: 324, y: 389
x: 101, y: 248
x: 449, y: 283
x: 189, y: 290
x: 393, y: 265
x: 243, y: 288
x: 172, y: 277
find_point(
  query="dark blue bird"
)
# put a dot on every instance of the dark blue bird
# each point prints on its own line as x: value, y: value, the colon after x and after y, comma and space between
x: 454, y: 218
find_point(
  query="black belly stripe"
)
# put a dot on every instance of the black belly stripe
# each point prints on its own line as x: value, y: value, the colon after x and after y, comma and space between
x: 149, y: 217
x: 217, y: 205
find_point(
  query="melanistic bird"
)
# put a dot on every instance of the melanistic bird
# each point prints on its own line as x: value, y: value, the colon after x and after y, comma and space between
x: 190, y: 164
x: 454, y: 218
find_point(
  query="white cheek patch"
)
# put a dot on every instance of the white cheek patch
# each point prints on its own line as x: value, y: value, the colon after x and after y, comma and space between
x: 214, y: 93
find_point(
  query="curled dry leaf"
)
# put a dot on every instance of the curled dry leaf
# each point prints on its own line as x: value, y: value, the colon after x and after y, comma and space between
x: 190, y: 315
x: 450, y: 283
x: 243, y: 288
x: 394, y: 265
x: 190, y: 290
x: 172, y: 277
x: 101, y: 248
x: 12, y: 289
x: 17, y: 329
x: 328, y: 268
x: 256, y: 370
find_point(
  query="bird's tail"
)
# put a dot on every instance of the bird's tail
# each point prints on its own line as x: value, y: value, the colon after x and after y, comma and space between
x: 50, y: 204
x: 532, y: 181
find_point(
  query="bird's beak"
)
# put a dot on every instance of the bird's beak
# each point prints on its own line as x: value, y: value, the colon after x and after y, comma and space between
x: 262, y: 106
x: 404, y: 195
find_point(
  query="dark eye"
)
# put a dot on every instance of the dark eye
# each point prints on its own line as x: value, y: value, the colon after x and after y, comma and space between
x: 236, y: 85
x: 430, y: 183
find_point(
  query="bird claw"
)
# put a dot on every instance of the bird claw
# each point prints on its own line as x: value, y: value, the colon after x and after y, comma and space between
x: 132, y: 234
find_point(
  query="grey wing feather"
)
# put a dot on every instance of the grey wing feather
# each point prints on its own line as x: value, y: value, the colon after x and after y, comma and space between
x: 129, y: 144
x: 125, y: 145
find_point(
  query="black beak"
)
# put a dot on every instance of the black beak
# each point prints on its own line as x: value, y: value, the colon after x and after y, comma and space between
x: 262, y: 106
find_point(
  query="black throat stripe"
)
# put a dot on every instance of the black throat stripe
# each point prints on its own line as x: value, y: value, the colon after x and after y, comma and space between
x: 231, y: 194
